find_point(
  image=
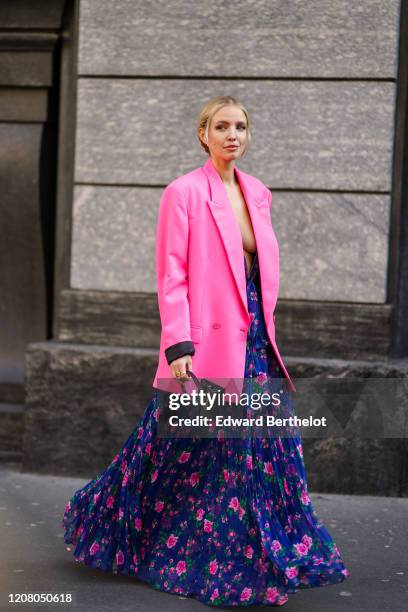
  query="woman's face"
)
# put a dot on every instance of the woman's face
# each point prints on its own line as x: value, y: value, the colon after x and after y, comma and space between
x: 227, y: 133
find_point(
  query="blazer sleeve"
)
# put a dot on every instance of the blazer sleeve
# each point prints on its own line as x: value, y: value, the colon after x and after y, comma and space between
x: 172, y: 274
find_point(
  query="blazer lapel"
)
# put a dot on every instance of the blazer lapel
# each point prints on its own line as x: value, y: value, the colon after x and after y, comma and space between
x: 230, y: 232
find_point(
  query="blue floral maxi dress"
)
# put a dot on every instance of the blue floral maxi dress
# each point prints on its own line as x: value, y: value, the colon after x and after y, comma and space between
x: 226, y: 521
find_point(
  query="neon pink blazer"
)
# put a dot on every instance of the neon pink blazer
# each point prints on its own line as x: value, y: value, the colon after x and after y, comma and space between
x: 201, y: 283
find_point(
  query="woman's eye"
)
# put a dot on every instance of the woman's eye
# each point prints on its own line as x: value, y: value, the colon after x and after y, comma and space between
x: 222, y: 127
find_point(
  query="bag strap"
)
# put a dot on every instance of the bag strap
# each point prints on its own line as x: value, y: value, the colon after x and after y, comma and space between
x: 195, y: 379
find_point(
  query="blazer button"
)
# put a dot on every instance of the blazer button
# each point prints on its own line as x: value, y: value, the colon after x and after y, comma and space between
x: 216, y: 325
x: 243, y: 329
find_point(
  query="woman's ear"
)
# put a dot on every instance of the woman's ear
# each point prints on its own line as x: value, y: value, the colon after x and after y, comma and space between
x: 203, y: 137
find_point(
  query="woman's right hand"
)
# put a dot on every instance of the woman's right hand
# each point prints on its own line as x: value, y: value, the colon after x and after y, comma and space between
x: 181, y: 365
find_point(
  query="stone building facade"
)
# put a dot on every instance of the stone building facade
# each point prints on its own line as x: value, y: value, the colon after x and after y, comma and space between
x: 326, y: 89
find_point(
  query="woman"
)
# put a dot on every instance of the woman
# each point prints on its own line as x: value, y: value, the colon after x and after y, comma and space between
x: 227, y: 521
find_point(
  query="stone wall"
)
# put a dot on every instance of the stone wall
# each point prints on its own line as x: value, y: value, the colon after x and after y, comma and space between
x: 320, y: 83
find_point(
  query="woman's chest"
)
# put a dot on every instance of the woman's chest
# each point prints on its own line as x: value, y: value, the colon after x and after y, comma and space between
x: 244, y: 222
x: 226, y: 227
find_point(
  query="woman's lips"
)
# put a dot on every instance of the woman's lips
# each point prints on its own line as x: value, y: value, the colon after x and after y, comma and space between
x: 232, y: 147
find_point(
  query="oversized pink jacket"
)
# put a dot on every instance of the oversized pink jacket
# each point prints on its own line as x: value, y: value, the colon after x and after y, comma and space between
x: 201, y: 282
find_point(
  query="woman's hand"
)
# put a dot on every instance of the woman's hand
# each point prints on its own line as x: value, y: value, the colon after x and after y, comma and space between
x: 181, y: 365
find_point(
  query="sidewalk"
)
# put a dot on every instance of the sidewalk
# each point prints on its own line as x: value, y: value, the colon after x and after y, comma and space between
x: 371, y: 533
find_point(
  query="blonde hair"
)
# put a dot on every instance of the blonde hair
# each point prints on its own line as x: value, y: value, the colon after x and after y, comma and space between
x: 209, y: 110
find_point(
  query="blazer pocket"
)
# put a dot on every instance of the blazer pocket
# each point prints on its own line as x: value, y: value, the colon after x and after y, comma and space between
x: 196, y: 333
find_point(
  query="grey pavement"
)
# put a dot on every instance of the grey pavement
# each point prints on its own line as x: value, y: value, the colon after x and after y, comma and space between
x: 371, y: 533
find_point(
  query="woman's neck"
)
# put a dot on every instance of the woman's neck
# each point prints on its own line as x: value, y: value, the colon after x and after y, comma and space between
x: 226, y: 170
